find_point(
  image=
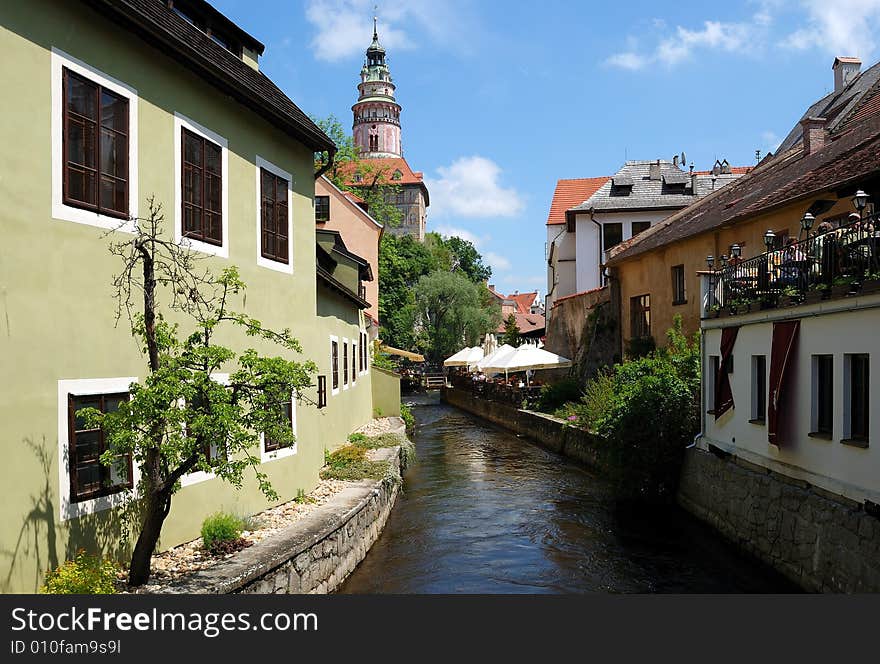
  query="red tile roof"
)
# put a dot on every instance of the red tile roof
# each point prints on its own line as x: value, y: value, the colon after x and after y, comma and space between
x: 387, y: 166
x: 570, y: 193
x: 527, y: 323
x: 524, y: 301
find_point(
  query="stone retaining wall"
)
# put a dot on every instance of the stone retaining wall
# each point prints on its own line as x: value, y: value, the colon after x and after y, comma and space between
x: 546, y: 430
x: 313, y: 555
x: 821, y: 541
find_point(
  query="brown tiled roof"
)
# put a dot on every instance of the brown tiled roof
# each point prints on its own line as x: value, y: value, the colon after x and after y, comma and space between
x: 387, y: 165
x: 780, y: 181
x: 570, y: 193
x: 524, y: 301
x: 154, y: 22
x: 527, y: 323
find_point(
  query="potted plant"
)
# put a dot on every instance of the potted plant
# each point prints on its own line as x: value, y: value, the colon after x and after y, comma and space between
x: 843, y: 286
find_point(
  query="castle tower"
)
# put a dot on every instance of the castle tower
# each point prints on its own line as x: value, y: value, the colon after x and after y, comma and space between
x: 376, y: 114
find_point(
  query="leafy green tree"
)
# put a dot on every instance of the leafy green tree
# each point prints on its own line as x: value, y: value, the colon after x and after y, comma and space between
x: 375, y: 182
x: 467, y: 259
x: 451, y: 312
x: 511, y: 332
x: 179, y: 419
x: 403, y: 260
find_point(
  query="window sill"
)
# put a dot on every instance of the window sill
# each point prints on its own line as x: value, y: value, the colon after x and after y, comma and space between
x: 678, y: 303
x: 762, y: 422
x: 821, y: 435
x: 710, y: 412
x: 855, y: 442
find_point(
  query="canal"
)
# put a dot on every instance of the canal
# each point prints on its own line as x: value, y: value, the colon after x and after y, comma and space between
x: 484, y: 511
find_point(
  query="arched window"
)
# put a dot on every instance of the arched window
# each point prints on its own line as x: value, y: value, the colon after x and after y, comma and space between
x: 374, y: 143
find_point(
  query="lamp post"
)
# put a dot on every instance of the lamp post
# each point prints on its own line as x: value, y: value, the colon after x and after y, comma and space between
x: 860, y: 201
x: 735, y: 251
x: 710, y: 261
x: 807, y: 223
x: 769, y: 239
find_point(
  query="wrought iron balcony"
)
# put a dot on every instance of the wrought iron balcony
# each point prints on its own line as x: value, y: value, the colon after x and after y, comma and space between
x: 840, y: 262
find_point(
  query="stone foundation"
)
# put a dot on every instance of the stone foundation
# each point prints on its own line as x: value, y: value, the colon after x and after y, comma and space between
x: 821, y: 541
x: 546, y: 430
x: 315, y: 554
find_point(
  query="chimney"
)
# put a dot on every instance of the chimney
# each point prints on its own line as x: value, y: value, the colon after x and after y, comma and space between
x: 654, y: 171
x: 675, y: 161
x: 845, y: 71
x: 814, y: 134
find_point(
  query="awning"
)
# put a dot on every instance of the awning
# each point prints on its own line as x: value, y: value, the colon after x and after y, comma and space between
x: 784, y: 340
x: 723, y: 391
x: 415, y: 357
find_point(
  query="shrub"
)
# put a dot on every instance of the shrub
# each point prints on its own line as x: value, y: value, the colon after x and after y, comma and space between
x: 221, y: 529
x: 558, y: 394
x: 408, y: 418
x: 647, y: 413
x: 357, y: 439
x: 84, y: 575
x: 351, y: 463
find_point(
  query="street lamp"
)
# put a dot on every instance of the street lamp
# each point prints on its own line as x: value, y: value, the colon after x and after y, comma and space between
x: 769, y: 239
x: 735, y: 251
x: 860, y: 200
x: 723, y: 260
x: 710, y: 261
x: 807, y: 223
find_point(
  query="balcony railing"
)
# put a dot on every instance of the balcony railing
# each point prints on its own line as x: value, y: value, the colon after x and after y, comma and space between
x: 835, y: 263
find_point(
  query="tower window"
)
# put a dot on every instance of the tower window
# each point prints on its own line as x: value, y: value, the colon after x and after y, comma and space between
x: 374, y: 143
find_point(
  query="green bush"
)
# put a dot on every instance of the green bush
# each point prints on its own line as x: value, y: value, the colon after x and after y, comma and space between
x: 408, y: 419
x: 648, y: 413
x: 84, y: 575
x: 357, y: 439
x: 556, y: 395
x: 346, y: 456
x: 220, y: 528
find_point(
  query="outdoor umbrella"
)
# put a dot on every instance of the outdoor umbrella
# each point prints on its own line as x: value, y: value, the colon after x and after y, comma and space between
x: 526, y: 358
x: 494, y: 362
x: 464, y: 357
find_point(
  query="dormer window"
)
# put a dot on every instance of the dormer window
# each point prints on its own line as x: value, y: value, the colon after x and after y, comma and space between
x: 621, y: 185
x: 397, y: 175
x: 674, y: 182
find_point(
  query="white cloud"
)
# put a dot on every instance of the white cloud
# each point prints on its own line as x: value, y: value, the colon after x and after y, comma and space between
x: 675, y: 49
x: 452, y: 231
x: 471, y: 187
x: 498, y: 262
x: 628, y: 60
x: 842, y: 27
x: 345, y: 27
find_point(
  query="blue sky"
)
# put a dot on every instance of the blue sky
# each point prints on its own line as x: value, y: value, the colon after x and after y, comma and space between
x: 501, y: 99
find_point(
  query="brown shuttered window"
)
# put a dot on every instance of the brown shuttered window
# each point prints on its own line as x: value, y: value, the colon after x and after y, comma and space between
x: 322, y: 391
x: 89, y: 478
x: 273, y: 445
x: 95, y: 146
x: 273, y: 216
x: 202, y: 211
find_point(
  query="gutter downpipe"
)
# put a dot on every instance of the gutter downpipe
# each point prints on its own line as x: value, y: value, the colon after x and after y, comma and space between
x: 702, y: 433
x: 599, y: 244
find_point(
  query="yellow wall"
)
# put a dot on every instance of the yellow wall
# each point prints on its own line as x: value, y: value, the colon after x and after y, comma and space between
x: 651, y: 272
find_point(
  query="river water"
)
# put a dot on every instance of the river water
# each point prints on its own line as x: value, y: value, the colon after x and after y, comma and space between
x: 484, y: 511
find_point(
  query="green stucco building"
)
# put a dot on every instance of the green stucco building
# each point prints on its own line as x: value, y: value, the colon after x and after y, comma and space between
x: 109, y: 103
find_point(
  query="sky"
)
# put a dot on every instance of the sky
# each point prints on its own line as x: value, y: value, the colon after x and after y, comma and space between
x: 503, y: 98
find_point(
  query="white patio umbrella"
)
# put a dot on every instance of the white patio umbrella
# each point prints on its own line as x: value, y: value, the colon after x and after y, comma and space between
x: 465, y: 357
x: 531, y: 358
x: 493, y: 363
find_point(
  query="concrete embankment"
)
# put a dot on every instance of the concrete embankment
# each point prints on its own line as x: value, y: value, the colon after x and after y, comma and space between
x: 314, y: 554
x: 548, y: 431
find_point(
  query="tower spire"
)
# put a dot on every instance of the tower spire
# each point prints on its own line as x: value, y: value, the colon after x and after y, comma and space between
x: 375, y: 28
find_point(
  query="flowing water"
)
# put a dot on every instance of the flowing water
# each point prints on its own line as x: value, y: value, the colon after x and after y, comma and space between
x: 484, y: 511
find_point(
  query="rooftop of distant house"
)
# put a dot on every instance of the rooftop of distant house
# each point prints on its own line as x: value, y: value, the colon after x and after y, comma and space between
x: 569, y: 193
x: 522, y: 301
x: 527, y: 323
x: 658, y: 184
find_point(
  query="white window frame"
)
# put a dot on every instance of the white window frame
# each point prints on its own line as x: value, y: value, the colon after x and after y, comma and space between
x: 61, y: 211
x: 86, y: 386
x: 356, y: 366
x: 198, y: 476
x: 283, y: 453
x: 262, y: 261
x: 182, y: 122
x: 334, y: 391
x: 346, y: 369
